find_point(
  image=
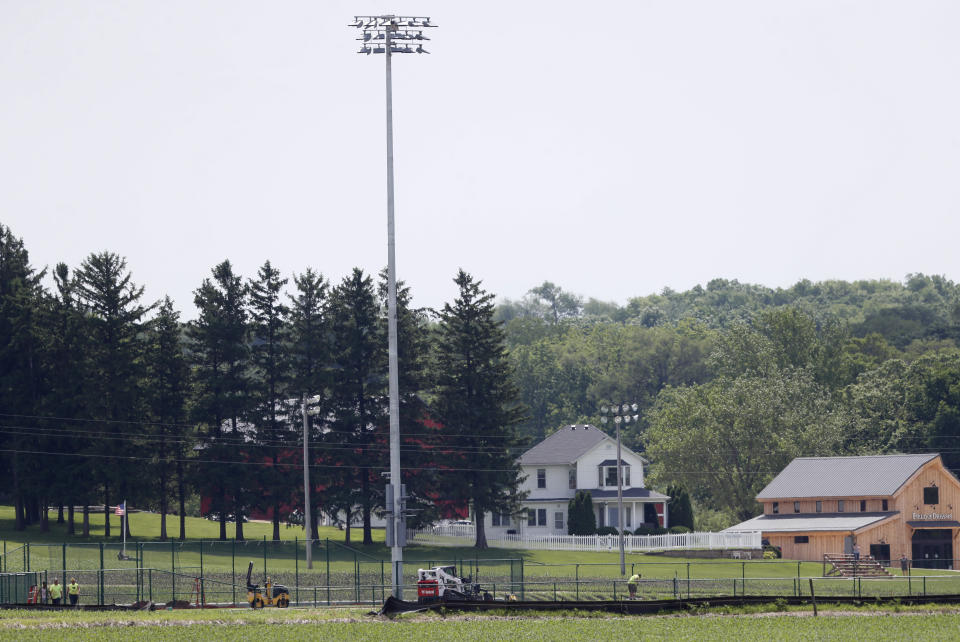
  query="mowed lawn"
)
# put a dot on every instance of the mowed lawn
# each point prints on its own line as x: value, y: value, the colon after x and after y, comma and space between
x: 352, y: 625
x: 546, y: 573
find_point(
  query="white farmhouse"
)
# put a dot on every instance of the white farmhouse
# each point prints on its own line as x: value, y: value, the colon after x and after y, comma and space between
x: 580, y: 457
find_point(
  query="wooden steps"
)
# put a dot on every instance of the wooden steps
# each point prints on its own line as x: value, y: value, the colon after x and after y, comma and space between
x: 845, y: 566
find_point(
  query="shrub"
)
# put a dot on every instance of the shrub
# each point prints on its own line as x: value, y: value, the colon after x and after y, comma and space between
x: 580, y: 517
x: 606, y: 530
x: 679, y: 529
x: 681, y: 510
x: 650, y: 530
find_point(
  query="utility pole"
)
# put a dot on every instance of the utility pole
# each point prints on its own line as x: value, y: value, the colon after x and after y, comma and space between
x: 390, y: 34
x: 307, y: 523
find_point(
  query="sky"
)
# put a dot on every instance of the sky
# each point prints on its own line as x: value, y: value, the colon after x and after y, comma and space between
x: 614, y: 148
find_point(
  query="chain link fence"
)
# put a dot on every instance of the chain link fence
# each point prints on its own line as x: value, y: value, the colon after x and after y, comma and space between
x: 215, y: 573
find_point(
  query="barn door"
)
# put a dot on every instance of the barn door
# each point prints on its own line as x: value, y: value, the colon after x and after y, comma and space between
x: 848, y: 545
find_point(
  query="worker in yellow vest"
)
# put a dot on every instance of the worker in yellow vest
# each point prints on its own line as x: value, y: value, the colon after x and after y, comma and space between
x: 73, y: 589
x: 632, y: 585
x: 56, y: 592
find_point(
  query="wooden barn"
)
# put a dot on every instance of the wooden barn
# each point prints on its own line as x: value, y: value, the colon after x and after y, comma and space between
x: 889, y: 505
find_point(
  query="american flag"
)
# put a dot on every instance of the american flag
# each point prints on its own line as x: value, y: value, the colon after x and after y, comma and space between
x: 121, y: 509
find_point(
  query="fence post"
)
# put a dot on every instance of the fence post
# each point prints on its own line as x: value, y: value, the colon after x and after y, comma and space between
x: 924, y: 585
x: 103, y: 591
x: 328, y: 571
x: 296, y: 567
x: 577, y: 570
x: 26, y: 558
x: 233, y: 569
x: 201, y: 559
x: 173, y: 558
x: 150, y: 580
x: 63, y: 550
x: 264, y: 558
x: 688, y: 580
x: 383, y: 579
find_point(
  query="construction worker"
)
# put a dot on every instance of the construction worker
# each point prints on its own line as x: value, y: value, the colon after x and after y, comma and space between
x: 44, y: 593
x: 73, y: 589
x: 632, y: 585
x: 56, y: 592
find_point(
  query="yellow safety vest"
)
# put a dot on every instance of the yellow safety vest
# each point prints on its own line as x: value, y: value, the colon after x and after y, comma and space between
x: 55, y: 591
x: 633, y: 579
x: 74, y: 589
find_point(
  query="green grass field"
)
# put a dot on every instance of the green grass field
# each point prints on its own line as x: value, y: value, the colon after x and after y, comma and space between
x: 358, y: 573
x: 928, y: 624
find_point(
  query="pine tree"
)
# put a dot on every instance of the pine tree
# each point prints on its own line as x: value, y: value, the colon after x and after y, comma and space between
x: 419, y: 459
x: 680, y: 511
x: 221, y: 358
x: 310, y: 360
x: 270, y: 412
x: 20, y: 367
x: 358, y: 401
x: 116, y: 322
x: 168, y: 384
x: 581, y: 519
x: 477, y: 404
x: 65, y: 346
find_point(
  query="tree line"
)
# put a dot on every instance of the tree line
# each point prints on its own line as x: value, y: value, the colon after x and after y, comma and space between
x: 105, y: 396
x: 734, y: 380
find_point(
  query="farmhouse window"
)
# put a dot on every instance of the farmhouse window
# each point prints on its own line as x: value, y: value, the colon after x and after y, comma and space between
x: 776, y: 508
x: 819, y: 506
x: 885, y: 505
x: 572, y: 484
x: 558, y: 520
x: 541, y: 477
x: 839, y: 505
x: 796, y: 507
x: 499, y: 519
x: 801, y: 539
x: 537, y: 517
x: 610, y: 478
x: 931, y: 495
x: 863, y: 506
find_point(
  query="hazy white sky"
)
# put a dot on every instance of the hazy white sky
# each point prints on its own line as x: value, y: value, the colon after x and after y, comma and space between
x: 611, y: 147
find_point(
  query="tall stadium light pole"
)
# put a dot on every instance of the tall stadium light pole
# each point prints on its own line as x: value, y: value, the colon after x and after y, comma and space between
x: 618, y: 418
x: 390, y: 35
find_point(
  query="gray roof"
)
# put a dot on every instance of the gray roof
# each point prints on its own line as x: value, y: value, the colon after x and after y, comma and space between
x: 628, y: 493
x: 564, y: 446
x: 876, y: 475
x: 798, y: 523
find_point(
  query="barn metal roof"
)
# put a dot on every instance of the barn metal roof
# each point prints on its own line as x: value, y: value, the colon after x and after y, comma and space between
x: 875, y: 475
x: 800, y: 523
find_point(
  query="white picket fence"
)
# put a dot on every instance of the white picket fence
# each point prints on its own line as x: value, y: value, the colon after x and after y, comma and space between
x: 457, y: 535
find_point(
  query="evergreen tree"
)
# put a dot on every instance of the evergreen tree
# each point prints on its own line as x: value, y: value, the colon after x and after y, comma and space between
x: 310, y: 361
x: 168, y: 385
x: 20, y: 366
x: 221, y: 357
x: 679, y: 508
x: 358, y: 401
x: 420, y: 448
x: 477, y: 404
x: 68, y: 366
x: 581, y: 519
x: 271, y: 413
x: 116, y: 320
